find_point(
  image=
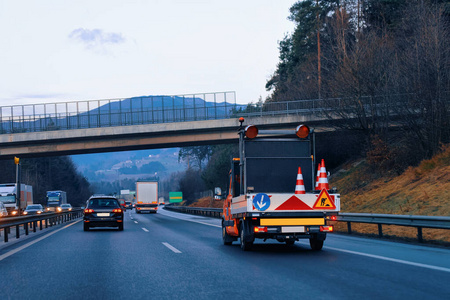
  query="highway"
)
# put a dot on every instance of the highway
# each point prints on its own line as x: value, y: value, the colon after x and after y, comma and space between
x: 175, y: 256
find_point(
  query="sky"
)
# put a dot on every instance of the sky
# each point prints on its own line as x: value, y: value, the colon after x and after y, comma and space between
x: 58, y: 51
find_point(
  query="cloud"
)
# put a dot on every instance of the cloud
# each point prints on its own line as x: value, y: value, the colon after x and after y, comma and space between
x: 96, y: 37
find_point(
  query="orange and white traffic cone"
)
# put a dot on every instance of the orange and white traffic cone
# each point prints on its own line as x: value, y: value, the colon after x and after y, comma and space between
x: 317, y: 177
x: 323, y: 180
x: 300, y: 185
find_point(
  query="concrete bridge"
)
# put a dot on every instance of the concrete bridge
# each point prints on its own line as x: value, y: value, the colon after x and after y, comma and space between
x: 62, y: 133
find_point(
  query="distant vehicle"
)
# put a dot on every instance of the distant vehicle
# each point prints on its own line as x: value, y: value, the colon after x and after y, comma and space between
x: 8, y: 195
x: 55, y: 199
x: 34, y: 209
x: 3, y: 211
x: 129, y: 204
x: 64, y: 207
x: 147, y: 196
x: 161, y: 201
x: 103, y: 211
x: 123, y: 205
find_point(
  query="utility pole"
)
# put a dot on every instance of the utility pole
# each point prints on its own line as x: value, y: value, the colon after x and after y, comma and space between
x: 319, y: 83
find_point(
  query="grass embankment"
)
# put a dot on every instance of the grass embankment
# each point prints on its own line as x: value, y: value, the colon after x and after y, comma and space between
x: 421, y: 190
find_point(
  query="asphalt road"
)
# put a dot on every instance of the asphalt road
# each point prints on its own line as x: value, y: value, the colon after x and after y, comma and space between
x: 176, y: 256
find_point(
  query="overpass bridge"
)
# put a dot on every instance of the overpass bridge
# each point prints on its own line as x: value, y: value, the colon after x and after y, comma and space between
x: 141, y: 123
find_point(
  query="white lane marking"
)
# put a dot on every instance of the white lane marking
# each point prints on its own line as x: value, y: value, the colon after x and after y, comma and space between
x: 392, y: 259
x: 7, y: 254
x: 136, y: 222
x: 213, y: 225
x: 145, y: 229
x: 171, y: 247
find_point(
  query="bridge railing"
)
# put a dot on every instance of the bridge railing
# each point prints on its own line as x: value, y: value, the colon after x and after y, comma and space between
x: 117, y: 112
x: 380, y: 219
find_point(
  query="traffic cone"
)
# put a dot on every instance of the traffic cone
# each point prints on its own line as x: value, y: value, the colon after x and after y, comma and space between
x: 317, y: 178
x: 323, y: 180
x: 300, y: 185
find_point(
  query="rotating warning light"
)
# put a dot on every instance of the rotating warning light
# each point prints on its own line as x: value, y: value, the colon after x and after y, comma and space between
x: 251, y: 131
x: 302, y: 131
x: 241, y: 119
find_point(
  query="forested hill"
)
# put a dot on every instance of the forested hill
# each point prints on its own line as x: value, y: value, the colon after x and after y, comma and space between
x: 46, y: 174
x: 378, y: 64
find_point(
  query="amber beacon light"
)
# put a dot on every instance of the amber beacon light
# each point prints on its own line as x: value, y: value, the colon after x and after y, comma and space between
x: 302, y: 131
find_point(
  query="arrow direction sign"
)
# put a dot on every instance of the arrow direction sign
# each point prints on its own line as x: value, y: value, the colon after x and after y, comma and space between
x: 261, y: 202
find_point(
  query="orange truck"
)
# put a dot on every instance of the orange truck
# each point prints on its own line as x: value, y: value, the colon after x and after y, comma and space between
x: 273, y: 191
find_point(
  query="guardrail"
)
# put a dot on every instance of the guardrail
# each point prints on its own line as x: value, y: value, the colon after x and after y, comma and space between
x: 34, y: 222
x: 380, y: 219
x: 202, y: 211
x: 399, y: 220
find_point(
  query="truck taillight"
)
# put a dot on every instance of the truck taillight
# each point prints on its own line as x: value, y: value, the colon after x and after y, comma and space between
x: 88, y: 211
x: 117, y: 210
x: 260, y: 229
x: 328, y: 228
x: 333, y: 218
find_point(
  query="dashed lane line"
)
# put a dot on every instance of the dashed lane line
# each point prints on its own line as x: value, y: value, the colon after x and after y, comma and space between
x: 171, y: 247
x: 145, y: 229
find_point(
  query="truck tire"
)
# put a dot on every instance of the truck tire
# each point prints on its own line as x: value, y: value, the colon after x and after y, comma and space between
x: 290, y: 242
x: 316, y: 244
x: 227, y: 239
x: 246, y: 246
x: 85, y: 227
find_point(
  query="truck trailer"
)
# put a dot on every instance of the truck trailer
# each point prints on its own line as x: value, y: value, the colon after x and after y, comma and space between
x: 16, y: 205
x: 272, y: 193
x: 146, y: 196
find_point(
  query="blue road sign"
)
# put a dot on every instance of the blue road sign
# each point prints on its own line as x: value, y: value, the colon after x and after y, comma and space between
x: 261, y: 202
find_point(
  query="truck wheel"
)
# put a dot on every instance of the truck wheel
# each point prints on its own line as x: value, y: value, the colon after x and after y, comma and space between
x: 86, y: 227
x: 246, y: 246
x: 315, y: 244
x: 290, y: 242
x: 227, y: 239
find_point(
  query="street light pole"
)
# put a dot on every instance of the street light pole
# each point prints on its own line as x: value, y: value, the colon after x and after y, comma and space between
x: 18, y: 192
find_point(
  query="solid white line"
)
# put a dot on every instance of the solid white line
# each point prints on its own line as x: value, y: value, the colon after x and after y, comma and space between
x: 392, y: 259
x: 171, y: 247
x: 3, y: 256
x: 145, y: 229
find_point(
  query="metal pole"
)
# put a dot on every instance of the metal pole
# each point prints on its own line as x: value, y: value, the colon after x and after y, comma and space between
x: 18, y: 192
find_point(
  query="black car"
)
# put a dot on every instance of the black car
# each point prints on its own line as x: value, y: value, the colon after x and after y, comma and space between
x: 103, y: 211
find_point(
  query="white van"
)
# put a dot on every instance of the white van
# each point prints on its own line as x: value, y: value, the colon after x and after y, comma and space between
x: 3, y: 211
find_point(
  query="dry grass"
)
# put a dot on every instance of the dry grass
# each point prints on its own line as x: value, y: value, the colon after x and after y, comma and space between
x: 422, y: 190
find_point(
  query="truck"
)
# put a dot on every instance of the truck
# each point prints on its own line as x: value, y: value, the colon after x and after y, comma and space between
x: 272, y: 194
x: 10, y: 199
x: 54, y: 199
x: 146, y: 196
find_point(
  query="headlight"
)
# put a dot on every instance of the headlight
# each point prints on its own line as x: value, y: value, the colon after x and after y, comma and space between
x: 14, y: 213
x: 25, y: 213
x: 39, y: 212
x: 59, y: 209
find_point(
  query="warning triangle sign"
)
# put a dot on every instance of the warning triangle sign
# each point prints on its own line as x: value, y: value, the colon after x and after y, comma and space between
x: 324, y: 201
x: 293, y: 203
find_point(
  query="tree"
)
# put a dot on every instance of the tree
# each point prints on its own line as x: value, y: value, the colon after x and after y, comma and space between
x: 195, y: 155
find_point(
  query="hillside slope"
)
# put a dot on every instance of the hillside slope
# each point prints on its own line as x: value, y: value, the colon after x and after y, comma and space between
x: 422, y: 190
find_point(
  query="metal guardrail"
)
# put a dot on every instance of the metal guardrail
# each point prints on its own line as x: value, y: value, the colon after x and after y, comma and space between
x: 380, y: 219
x: 207, y: 212
x: 399, y: 220
x: 34, y: 222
